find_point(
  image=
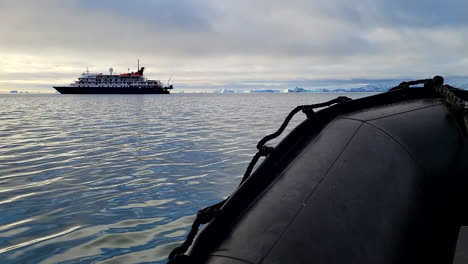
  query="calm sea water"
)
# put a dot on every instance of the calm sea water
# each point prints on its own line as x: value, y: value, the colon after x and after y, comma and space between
x: 118, y: 178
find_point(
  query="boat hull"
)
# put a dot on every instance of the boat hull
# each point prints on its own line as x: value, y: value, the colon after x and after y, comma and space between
x: 378, y: 184
x: 110, y: 90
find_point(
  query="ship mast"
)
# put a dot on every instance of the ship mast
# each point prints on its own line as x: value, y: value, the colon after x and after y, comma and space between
x: 138, y: 65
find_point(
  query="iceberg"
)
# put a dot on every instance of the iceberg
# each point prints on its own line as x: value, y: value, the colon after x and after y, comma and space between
x: 341, y: 90
x: 224, y: 91
x: 265, y: 91
x: 375, y: 88
x: 322, y: 90
x: 303, y: 90
x: 297, y: 90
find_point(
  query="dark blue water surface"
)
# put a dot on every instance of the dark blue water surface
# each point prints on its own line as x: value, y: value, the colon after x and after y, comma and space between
x: 118, y: 178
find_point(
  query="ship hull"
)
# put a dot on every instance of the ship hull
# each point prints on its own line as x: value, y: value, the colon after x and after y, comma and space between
x: 110, y: 90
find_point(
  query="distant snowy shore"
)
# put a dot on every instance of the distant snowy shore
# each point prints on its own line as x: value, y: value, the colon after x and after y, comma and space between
x: 364, y: 89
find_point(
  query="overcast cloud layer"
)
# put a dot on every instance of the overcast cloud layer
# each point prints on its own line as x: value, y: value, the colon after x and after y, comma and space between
x: 208, y: 43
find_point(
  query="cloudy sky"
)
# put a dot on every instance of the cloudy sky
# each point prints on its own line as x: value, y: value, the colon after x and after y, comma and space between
x: 232, y: 43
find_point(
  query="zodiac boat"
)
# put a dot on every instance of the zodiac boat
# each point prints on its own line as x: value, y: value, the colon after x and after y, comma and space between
x: 379, y: 179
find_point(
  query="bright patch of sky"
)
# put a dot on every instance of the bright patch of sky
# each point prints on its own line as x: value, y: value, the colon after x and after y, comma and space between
x: 210, y: 44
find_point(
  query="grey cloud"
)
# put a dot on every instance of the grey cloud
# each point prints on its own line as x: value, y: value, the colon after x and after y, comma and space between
x: 203, y: 28
x: 429, y: 13
x: 166, y: 15
x: 399, y: 13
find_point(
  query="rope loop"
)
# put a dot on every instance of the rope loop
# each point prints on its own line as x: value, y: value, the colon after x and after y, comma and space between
x: 342, y: 99
x: 180, y: 259
x: 265, y: 151
x: 308, y: 111
x: 206, y: 215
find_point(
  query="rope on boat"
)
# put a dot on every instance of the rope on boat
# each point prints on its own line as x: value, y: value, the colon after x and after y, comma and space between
x: 458, y: 105
x: 445, y: 91
x: 264, y: 151
x: 207, y: 214
x: 204, y: 216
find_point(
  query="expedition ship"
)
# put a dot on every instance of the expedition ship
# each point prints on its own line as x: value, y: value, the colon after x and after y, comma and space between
x: 125, y: 83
